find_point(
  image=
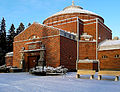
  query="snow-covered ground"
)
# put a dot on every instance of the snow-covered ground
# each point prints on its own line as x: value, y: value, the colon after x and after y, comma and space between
x: 25, y: 82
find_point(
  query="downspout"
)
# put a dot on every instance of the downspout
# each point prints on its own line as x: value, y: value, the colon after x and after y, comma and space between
x: 97, y: 43
x: 96, y: 38
x: 77, y: 43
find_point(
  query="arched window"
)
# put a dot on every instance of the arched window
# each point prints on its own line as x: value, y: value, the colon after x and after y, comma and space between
x: 117, y: 56
x: 33, y: 37
x: 104, y: 57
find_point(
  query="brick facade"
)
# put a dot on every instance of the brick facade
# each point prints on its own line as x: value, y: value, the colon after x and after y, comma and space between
x: 103, y: 32
x: 67, y: 22
x: 68, y: 52
x: 88, y: 66
x: 71, y: 15
x: 9, y: 60
x: 51, y: 42
x: 87, y: 50
x: 111, y: 62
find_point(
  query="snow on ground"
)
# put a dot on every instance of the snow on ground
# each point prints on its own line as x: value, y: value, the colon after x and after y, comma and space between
x: 25, y: 82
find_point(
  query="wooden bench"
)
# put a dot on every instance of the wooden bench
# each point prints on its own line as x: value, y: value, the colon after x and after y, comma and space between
x: 85, y: 72
x: 109, y: 73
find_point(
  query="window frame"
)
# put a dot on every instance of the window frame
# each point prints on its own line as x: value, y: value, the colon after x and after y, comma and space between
x: 104, y: 57
x: 117, y: 56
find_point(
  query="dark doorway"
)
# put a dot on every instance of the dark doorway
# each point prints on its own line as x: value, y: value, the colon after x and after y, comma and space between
x: 32, y: 61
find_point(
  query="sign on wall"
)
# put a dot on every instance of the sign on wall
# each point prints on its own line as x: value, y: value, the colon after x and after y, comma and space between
x: 30, y: 47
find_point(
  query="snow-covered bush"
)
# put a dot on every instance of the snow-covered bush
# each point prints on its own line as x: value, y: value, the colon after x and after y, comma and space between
x: 4, y: 68
x: 48, y: 70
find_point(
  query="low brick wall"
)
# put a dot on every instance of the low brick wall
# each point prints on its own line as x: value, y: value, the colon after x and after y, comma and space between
x: 88, y: 66
x: 9, y: 60
x: 111, y: 62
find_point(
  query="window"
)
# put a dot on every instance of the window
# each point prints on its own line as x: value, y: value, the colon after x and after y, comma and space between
x: 33, y: 37
x: 104, y: 57
x: 117, y: 56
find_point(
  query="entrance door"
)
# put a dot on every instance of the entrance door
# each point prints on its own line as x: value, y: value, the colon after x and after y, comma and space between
x: 32, y: 61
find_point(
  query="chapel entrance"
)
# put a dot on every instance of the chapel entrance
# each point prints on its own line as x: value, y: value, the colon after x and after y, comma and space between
x: 32, y: 61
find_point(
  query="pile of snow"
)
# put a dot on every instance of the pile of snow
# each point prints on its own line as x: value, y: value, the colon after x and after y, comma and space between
x: 39, y: 69
x: 3, y: 67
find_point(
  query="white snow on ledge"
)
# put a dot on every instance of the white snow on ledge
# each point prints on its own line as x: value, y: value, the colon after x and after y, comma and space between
x: 33, y: 42
x: 88, y: 61
x: 32, y: 50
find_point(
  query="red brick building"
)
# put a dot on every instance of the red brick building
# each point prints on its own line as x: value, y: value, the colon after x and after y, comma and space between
x: 109, y: 55
x: 9, y: 59
x: 59, y: 33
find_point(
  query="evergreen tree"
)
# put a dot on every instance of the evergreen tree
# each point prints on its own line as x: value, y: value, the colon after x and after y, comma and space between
x: 3, y: 35
x: 10, y: 38
x: 2, y: 41
x: 20, y: 28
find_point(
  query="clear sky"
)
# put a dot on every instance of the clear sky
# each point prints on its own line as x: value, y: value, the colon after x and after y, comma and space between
x: 16, y: 11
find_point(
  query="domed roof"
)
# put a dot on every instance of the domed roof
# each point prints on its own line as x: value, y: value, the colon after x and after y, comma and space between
x: 74, y: 9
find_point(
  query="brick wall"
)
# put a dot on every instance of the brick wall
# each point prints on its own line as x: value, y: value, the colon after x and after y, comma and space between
x: 90, y: 29
x: 71, y: 26
x: 68, y: 52
x: 110, y: 63
x: 88, y: 66
x: 104, y: 32
x: 9, y: 60
x: 38, y: 30
x: 46, y: 36
x: 52, y: 45
x: 70, y: 15
x: 87, y: 50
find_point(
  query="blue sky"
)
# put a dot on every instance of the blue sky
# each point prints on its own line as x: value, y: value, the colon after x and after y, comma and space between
x: 16, y: 11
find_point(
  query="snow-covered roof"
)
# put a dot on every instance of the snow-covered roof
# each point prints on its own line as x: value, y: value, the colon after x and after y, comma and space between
x: 9, y: 54
x: 74, y: 9
x: 110, y: 42
x: 109, y: 45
